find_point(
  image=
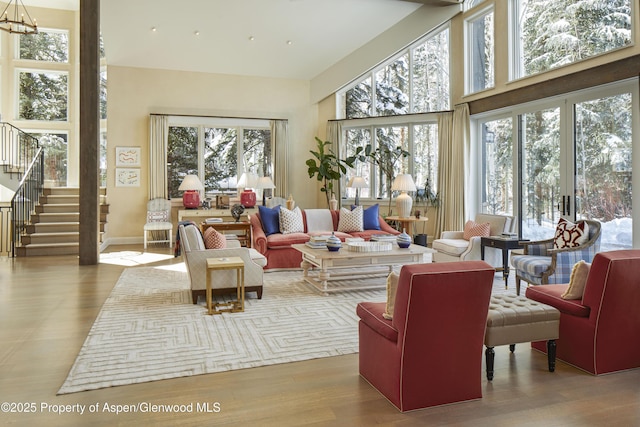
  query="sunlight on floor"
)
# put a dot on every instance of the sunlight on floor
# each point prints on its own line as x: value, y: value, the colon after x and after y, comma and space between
x: 132, y: 258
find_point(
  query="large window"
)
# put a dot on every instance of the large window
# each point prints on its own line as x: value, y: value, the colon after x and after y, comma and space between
x: 218, y: 151
x: 480, y: 52
x: 54, y: 146
x: 551, y: 33
x: 48, y: 45
x: 414, y: 81
x: 43, y: 95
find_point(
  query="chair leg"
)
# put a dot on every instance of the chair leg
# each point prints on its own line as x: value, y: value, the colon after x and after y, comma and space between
x: 551, y: 355
x: 517, y: 285
x: 145, y: 239
x: 489, y: 355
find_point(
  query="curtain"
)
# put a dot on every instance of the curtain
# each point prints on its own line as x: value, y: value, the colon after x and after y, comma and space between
x: 158, y: 143
x: 453, y: 141
x: 334, y: 134
x: 280, y: 147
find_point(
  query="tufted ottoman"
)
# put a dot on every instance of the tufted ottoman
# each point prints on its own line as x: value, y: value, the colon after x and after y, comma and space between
x: 513, y: 319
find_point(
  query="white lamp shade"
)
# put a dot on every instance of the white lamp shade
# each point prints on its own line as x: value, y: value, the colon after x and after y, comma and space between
x: 357, y: 182
x: 265, y: 182
x: 191, y: 182
x: 248, y: 180
x: 403, y: 182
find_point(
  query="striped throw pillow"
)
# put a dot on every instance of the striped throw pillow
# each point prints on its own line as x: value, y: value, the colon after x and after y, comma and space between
x: 476, y: 229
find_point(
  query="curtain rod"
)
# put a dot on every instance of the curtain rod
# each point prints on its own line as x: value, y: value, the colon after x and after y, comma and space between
x: 391, y: 116
x: 214, y: 117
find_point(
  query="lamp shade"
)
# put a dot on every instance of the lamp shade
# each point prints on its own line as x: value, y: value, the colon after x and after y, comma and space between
x: 404, y: 202
x: 265, y: 183
x: 191, y: 186
x: 357, y: 182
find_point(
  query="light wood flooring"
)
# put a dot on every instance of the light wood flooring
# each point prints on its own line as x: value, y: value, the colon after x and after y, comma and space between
x: 48, y: 304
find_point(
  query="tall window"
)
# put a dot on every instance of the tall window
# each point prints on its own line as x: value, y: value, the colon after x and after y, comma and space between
x: 218, y: 151
x: 414, y: 81
x: 43, y: 95
x: 550, y: 34
x: 48, y: 46
x: 54, y: 145
x: 480, y: 52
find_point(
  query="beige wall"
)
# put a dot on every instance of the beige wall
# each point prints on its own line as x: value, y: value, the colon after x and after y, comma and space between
x: 135, y: 93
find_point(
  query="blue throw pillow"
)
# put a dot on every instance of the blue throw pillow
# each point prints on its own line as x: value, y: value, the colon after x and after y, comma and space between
x: 370, y: 217
x: 270, y: 218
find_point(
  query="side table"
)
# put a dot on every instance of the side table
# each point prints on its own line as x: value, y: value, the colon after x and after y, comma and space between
x: 505, y: 244
x: 406, y: 223
x: 230, y: 263
x: 242, y: 226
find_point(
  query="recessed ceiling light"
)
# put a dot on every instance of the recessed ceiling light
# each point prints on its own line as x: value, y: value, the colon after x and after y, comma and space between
x: 196, y: 32
x: 251, y: 38
x: 154, y: 29
x: 289, y: 42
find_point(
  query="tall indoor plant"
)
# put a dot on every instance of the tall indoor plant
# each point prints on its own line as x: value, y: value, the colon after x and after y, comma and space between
x: 327, y: 167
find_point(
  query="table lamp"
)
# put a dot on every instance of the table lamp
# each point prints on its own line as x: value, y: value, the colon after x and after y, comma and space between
x: 265, y: 183
x: 248, y: 180
x: 404, y: 183
x: 357, y: 182
x: 191, y: 186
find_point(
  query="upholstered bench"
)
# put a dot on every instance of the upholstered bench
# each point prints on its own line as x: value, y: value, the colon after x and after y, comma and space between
x: 515, y: 319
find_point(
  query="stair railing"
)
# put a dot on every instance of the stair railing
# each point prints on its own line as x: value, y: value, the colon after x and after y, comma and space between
x: 24, y: 201
x: 17, y: 150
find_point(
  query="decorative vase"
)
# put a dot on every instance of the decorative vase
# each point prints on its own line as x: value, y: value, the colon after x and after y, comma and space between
x: 404, y: 240
x: 333, y: 203
x: 290, y: 202
x: 333, y: 243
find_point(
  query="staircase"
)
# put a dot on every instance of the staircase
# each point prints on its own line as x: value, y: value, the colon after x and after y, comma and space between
x: 54, y: 227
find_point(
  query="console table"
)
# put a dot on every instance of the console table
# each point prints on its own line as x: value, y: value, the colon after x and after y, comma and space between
x: 201, y: 214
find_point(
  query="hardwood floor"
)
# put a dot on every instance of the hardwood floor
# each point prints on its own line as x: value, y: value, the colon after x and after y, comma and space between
x: 48, y: 304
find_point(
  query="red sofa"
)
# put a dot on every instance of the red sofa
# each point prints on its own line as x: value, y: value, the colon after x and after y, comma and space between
x: 600, y: 333
x: 431, y: 352
x: 277, y: 247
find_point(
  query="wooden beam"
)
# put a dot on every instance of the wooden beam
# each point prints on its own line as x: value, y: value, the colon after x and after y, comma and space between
x: 89, y: 131
x: 591, y: 77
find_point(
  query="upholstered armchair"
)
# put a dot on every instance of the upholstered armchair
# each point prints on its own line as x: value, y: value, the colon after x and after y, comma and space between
x: 224, y: 282
x: 452, y: 246
x: 430, y: 352
x: 599, y: 331
x: 541, y: 264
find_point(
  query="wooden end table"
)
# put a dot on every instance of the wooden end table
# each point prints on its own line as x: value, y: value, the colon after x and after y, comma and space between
x: 230, y: 263
x: 407, y: 222
x: 504, y: 243
x: 242, y: 226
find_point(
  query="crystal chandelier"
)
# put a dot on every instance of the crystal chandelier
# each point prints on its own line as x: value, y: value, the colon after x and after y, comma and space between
x: 17, y: 20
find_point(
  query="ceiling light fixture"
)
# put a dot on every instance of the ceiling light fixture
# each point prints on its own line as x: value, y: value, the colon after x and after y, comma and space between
x: 154, y: 29
x: 196, y: 32
x: 289, y: 42
x: 15, y: 22
x: 251, y: 38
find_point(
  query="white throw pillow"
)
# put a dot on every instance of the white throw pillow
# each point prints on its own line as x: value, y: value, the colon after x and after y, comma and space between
x: 351, y: 221
x: 291, y: 221
x: 570, y: 235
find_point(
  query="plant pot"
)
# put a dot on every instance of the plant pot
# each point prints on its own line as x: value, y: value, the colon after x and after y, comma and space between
x: 420, y: 239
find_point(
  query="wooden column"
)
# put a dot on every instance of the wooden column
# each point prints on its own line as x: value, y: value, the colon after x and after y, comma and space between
x: 89, y: 131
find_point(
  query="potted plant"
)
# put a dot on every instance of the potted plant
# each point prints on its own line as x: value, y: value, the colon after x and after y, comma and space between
x: 426, y: 197
x: 327, y: 167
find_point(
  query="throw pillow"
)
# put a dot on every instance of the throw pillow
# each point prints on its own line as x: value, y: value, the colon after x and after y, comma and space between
x: 270, y: 218
x: 291, y: 221
x: 370, y: 218
x: 392, y: 287
x: 475, y: 229
x: 578, y: 281
x: 213, y: 239
x: 350, y: 220
x: 570, y: 235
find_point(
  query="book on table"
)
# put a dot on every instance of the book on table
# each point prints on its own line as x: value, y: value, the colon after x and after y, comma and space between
x: 383, y: 238
x: 213, y: 220
x: 316, y: 245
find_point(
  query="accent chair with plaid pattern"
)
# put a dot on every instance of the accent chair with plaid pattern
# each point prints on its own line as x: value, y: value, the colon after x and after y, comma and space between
x: 541, y: 264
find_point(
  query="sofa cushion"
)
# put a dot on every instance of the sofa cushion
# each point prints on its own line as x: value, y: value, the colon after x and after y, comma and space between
x: 454, y: 247
x: 475, y: 229
x: 577, y: 281
x: 351, y: 220
x: 370, y: 218
x: 370, y: 313
x: 194, y: 241
x: 318, y: 220
x: 291, y: 221
x: 270, y: 218
x: 552, y: 295
x: 213, y: 239
x: 570, y: 235
x: 279, y: 240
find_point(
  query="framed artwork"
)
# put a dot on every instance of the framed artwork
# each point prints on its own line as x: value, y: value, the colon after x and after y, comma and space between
x: 128, y: 156
x: 127, y: 177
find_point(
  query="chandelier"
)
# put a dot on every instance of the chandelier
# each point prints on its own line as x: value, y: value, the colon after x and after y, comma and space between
x: 17, y: 20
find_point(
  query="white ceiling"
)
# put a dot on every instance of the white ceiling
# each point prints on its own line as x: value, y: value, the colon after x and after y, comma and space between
x: 294, y: 39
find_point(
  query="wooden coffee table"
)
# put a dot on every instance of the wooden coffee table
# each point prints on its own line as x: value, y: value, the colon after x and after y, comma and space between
x: 355, y: 265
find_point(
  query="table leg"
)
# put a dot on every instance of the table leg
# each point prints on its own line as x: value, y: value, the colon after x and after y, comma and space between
x: 323, y: 276
x: 209, y: 305
x: 241, y: 285
x: 505, y: 267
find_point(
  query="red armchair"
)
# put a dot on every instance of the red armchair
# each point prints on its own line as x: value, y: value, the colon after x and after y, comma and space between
x: 431, y: 352
x: 599, y: 333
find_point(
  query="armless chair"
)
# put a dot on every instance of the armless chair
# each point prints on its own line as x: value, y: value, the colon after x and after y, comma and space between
x: 158, y: 222
x: 430, y: 353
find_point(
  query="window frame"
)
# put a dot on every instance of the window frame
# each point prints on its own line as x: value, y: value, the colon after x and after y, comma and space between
x: 18, y: 71
x: 468, y: 53
x: 16, y: 49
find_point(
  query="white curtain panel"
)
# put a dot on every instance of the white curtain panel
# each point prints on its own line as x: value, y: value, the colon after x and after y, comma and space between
x: 158, y: 142
x: 279, y: 145
x: 334, y: 134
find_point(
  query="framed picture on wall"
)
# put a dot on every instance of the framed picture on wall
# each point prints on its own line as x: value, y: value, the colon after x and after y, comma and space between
x: 127, y: 177
x: 128, y: 156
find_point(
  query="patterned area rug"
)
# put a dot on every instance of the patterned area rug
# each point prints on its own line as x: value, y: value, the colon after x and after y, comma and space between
x: 148, y: 329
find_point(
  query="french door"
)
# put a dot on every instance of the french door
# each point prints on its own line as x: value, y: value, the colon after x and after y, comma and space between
x: 568, y: 158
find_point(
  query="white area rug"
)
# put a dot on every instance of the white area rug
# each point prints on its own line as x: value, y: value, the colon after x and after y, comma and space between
x: 149, y: 330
